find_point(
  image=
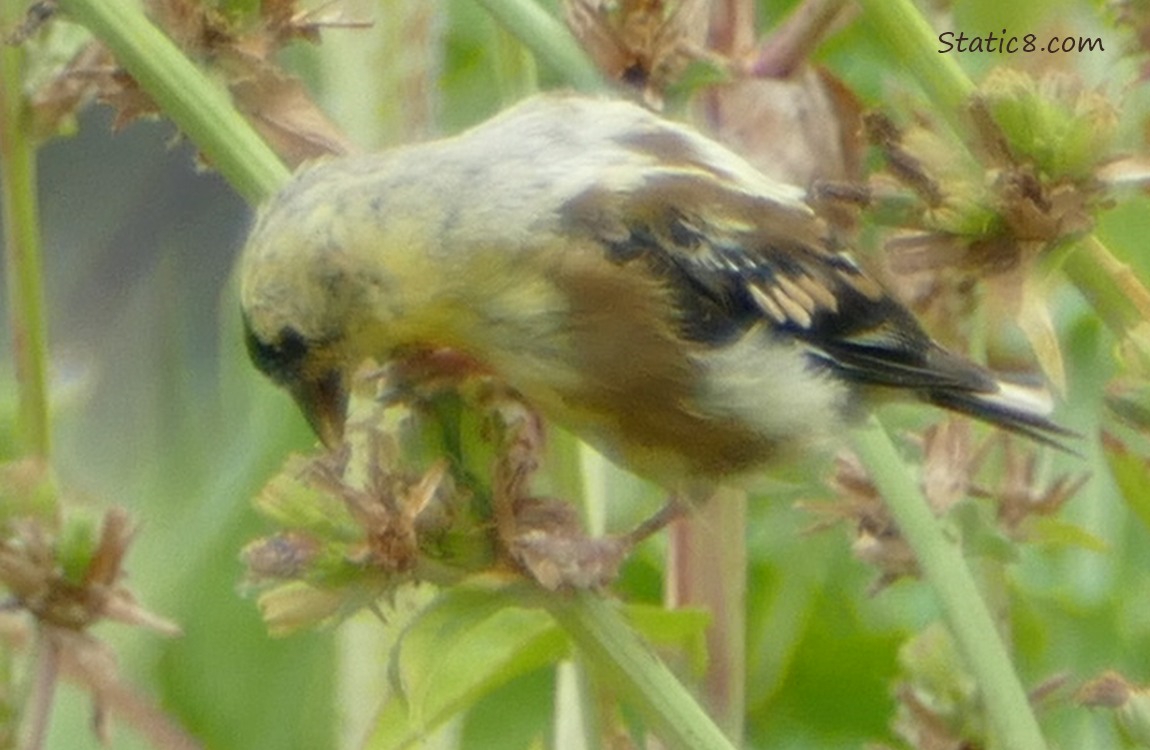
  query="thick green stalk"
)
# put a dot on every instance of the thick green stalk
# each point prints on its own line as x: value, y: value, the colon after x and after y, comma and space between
x: 548, y: 39
x: 22, y: 254
x: 915, y: 44
x: 201, y: 109
x: 618, y: 654
x: 516, y: 72
x: 943, y: 567
x: 1117, y: 295
x: 1108, y: 284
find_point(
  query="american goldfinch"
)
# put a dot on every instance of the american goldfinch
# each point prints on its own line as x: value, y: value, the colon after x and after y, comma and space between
x: 635, y: 281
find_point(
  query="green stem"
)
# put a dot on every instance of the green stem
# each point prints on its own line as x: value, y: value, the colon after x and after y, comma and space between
x: 1117, y: 295
x: 22, y: 256
x: 1109, y: 285
x: 614, y: 649
x: 548, y: 39
x: 201, y: 109
x: 964, y: 610
x: 516, y: 73
x: 915, y: 44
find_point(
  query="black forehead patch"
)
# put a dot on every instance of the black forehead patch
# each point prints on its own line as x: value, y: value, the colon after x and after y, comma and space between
x: 282, y: 358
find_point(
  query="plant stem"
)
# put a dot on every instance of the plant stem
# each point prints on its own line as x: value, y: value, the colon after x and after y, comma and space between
x: 915, y: 45
x: 22, y: 255
x: 1108, y: 284
x: 707, y: 568
x: 548, y: 39
x: 201, y: 109
x: 614, y: 649
x: 964, y: 610
x: 515, y: 69
x: 1117, y: 295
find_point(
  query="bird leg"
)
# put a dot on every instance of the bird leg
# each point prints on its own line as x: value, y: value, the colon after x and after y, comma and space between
x: 541, y: 536
x: 545, y: 536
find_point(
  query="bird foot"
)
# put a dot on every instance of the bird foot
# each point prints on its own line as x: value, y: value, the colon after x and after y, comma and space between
x: 549, y: 543
x: 545, y: 536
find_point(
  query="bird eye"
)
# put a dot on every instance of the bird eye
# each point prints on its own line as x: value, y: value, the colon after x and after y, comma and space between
x: 280, y: 359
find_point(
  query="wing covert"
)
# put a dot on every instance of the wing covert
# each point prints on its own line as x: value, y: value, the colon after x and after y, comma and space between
x: 733, y: 260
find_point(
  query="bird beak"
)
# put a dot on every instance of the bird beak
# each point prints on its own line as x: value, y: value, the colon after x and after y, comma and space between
x: 323, y: 401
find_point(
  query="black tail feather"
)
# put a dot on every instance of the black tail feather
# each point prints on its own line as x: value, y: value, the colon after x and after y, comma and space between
x: 980, y: 405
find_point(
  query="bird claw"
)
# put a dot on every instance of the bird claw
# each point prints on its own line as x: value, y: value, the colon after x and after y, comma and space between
x: 549, y: 544
x: 544, y: 536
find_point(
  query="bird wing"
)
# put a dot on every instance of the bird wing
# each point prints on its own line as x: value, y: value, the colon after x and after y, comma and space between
x: 735, y: 259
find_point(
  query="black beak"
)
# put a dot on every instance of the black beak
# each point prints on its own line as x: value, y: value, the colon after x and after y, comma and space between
x: 323, y: 401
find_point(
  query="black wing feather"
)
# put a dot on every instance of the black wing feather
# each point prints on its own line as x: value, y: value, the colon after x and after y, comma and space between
x: 727, y: 281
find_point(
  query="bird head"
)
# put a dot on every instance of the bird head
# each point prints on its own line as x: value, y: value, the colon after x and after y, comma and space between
x: 310, y: 370
x: 347, y: 262
x: 298, y: 284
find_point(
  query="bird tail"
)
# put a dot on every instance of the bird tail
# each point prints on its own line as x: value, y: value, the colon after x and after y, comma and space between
x: 912, y: 362
x: 1013, y: 405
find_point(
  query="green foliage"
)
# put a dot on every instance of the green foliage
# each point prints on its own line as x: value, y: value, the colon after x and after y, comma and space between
x: 467, y: 643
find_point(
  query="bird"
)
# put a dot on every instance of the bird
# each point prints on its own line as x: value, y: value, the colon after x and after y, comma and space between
x: 633, y: 280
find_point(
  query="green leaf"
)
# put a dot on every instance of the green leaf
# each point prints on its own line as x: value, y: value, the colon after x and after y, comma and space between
x: 463, y: 647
